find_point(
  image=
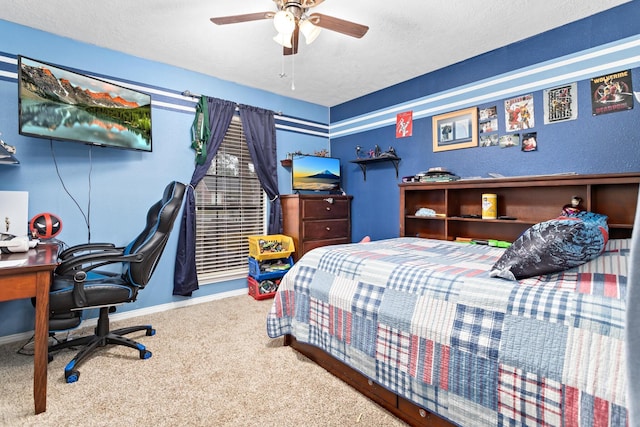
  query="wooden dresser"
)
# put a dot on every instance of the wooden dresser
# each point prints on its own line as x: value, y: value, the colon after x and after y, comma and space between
x: 316, y: 220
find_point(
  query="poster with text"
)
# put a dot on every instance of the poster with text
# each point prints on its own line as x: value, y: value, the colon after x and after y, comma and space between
x: 560, y: 103
x: 611, y: 93
x: 519, y: 113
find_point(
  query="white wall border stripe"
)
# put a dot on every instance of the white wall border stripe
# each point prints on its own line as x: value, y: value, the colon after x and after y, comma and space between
x: 610, y: 57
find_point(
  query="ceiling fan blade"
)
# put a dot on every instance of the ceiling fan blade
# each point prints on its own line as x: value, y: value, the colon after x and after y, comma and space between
x: 234, y: 19
x: 340, y: 25
x: 295, y: 38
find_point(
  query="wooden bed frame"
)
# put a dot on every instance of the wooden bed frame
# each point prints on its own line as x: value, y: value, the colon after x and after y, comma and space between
x: 402, y: 408
x: 614, y: 195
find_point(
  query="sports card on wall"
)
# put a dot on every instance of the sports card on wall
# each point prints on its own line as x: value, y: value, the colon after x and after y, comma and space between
x: 519, y: 113
x: 508, y: 141
x: 560, y: 103
x: 488, y: 118
x: 611, y: 93
x: 529, y: 142
x: 404, y: 124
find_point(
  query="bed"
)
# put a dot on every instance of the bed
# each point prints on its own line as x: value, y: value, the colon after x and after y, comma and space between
x: 420, y: 326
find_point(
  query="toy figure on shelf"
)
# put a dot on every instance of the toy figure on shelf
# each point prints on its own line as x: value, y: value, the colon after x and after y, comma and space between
x: 10, y: 148
x: 389, y: 153
x: 574, y: 207
x: 358, y: 149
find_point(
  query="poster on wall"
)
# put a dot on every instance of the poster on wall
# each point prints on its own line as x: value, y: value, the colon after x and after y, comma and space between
x: 404, y: 124
x: 519, y: 113
x: 529, y: 142
x: 611, y: 93
x: 560, y: 103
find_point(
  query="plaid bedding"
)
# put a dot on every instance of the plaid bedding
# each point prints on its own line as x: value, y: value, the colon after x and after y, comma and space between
x: 424, y: 319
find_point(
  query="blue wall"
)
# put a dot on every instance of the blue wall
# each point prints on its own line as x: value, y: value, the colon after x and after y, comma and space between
x: 601, y: 44
x: 123, y: 184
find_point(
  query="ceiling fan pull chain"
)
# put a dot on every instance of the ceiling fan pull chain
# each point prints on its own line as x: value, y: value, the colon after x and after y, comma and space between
x: 282, y: 73
x: 293, y: 72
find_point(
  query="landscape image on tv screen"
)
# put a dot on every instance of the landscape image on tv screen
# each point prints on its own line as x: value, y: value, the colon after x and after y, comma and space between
x: 61, y: 104
x: 315, y: 173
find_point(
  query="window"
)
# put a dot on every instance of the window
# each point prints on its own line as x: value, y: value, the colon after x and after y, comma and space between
x: 230, y: 205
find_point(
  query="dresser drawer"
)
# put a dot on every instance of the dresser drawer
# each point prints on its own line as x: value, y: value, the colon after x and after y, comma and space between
x: 331, y: 229
x: 325, y: 208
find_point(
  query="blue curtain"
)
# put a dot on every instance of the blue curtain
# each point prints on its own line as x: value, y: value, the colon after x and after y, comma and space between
x: 185, y: 276
x: 260, y: 131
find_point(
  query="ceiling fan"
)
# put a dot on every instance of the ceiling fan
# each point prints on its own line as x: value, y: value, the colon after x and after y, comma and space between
x: 292, y: 17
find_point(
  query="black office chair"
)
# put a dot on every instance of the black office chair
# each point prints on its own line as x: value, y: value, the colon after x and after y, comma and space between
x: 77, y: 286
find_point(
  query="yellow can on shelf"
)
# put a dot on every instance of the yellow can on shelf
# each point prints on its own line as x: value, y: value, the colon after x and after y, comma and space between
x: 489, y: 206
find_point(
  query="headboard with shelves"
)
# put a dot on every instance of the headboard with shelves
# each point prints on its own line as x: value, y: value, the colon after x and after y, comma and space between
x: 529, y: 200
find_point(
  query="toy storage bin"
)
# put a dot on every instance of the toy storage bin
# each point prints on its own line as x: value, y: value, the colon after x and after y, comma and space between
x: 269, y: 269
x: 262, y: 289
x: 272, y: 246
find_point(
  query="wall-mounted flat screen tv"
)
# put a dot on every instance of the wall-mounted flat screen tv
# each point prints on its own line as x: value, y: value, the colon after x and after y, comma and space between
x: 315, y: 173
x: 56, y: 103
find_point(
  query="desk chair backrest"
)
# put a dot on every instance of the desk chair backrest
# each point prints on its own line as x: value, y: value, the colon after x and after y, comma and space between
x: 150, y: 243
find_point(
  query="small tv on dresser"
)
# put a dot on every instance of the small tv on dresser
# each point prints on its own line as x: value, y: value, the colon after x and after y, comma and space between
x: 315, y: 173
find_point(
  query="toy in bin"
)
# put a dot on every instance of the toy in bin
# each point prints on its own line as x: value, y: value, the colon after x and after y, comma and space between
x: 262, y: 289
x: 267, y: 286
x: 269, y: 246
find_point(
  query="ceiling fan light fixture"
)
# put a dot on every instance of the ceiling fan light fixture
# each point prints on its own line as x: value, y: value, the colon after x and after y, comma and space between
x: 284, y: 21
x: 283, y: 40
x: 310, y: 31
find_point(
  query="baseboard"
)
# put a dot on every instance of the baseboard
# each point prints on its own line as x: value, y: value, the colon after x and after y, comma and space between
x: 136, y: 313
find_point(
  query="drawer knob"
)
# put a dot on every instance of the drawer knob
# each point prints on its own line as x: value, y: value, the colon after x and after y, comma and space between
x: 328, y: 208
x: 422, y: 413
x: 328, y: 228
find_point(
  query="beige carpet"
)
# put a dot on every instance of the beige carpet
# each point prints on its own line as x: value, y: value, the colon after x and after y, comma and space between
x: 213, y: 365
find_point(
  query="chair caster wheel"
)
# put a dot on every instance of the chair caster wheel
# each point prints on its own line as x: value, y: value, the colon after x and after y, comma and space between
x: 49, y: 358
x: 145, y: 354
x: 72, y: 376
x: 151, y: 332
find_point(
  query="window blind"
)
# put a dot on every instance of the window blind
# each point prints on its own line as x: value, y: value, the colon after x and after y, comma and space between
x: 230, y: 205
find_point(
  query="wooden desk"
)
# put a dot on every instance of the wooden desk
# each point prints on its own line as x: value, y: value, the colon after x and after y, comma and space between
x: 33, y: 279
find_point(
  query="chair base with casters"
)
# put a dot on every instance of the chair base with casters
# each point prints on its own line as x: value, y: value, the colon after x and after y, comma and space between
x: 102, y: 337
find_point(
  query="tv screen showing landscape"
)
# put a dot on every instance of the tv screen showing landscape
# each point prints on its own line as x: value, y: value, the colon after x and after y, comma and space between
x: 315, y: 173
x: 56, y: 103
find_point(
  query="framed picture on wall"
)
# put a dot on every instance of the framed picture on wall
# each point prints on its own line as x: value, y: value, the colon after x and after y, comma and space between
x: 458, y: 129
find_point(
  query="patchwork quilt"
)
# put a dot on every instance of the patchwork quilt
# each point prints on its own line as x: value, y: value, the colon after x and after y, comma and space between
x: 424, y: 319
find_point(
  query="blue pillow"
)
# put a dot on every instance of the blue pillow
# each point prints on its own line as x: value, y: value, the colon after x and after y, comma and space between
x: 553, y: 246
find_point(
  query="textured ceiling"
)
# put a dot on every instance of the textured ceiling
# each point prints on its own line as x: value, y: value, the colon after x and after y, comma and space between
x: 405, y: 39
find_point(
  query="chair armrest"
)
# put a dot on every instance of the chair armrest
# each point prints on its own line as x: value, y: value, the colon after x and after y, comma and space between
x: 85, y: 247
x: 94, y: 260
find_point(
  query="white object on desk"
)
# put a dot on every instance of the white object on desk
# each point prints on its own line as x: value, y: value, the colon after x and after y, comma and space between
x: 12, y: 262
x: 13, y: 244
